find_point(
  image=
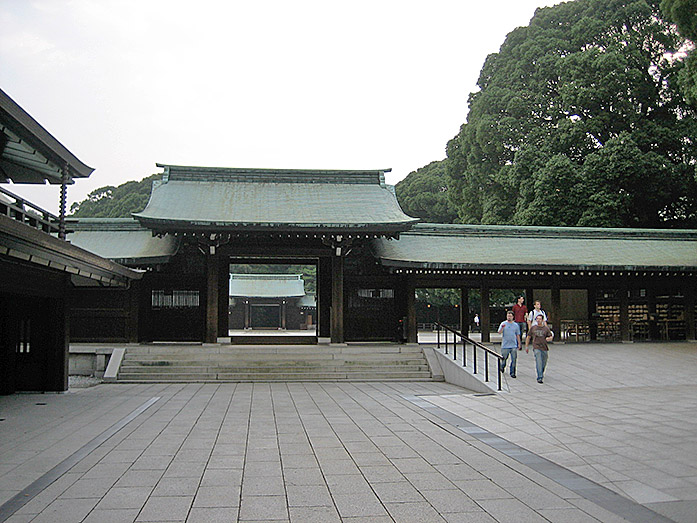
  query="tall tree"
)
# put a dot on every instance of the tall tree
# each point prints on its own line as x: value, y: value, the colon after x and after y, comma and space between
x: 579, y: 121
x: 684, y: 14
x: 115, y: 202
x: 424, y: 194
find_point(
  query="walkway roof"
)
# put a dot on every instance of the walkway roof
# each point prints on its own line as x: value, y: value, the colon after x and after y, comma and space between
x: 226, y: 199
x: 31, y: 245
x: 472, y: 247
x: 29, y: 153
x: 122, y: 240
x: 267, y: 285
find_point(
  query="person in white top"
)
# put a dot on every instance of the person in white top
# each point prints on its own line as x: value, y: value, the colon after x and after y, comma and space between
x: 537, y: 311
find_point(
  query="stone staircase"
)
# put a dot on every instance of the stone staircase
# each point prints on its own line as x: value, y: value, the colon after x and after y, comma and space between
x: 235, y: 363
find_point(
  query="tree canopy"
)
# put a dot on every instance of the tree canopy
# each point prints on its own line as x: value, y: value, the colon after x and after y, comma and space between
x: 579, y: 121
x: 115, y: 202
x: 684, y: 14
x: 424, y: 194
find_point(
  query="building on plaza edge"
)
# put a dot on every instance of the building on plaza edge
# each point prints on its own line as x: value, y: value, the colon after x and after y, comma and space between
x: 610, y: 284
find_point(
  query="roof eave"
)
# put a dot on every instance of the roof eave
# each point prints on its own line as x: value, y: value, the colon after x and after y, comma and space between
x: 174, y: 226
x: 444, y: 266
x: 36, y: 136
x: 21, y: 241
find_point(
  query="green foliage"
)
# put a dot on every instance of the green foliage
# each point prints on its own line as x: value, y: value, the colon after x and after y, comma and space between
x: 579, y: 121
x: 115, y: 202
x: 451, y: 297
x: 424, y: 194
x: 684, y: 14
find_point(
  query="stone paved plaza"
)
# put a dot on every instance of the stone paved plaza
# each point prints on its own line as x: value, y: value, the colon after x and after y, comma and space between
x: 620, y: 415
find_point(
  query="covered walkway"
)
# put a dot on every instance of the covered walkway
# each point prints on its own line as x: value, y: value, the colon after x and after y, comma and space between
x: 621, y: 416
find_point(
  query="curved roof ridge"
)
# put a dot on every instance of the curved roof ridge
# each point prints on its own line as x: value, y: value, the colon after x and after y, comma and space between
x: 260, y: 175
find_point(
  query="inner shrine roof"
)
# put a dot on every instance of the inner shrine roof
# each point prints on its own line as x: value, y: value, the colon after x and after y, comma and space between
x: 267, y: 285
x: 225, y: 199
x: 473, y: 247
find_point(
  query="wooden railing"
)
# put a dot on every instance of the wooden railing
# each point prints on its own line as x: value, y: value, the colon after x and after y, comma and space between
x: 26, y: 212
x: 476, y: 348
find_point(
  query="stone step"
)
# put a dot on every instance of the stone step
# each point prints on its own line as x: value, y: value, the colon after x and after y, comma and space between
x: 310, y: 376
x: 154, y: 361
x: 272, y: 340
x: 257, y: 379
x: 210, y: 363
x: 157, y: 350
x: 271, y: 370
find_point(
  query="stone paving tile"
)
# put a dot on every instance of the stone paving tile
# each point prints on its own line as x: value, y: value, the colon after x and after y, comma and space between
x: 125, y: 497
x: 364, y: 451
x: 447, y: 501
x: 66, y: 510
x: 263, y: 508
x: 358, y: 505
x: 165, y: 509
x: 397, y: 492
x: 215, y: 497
x: 112, y: 516
x: 309, y: 496
x: 213, y: 515
x: 416, y: 512
x: 312, y: 514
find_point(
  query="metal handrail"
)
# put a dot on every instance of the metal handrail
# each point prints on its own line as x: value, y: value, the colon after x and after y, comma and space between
x: 475, y: 345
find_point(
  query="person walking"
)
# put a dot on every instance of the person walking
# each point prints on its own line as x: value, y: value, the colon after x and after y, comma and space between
x: 510, y: 342
x: 537, y: 311
x: 540, y: 335
x: 476, y: 322
x: 520, y: 315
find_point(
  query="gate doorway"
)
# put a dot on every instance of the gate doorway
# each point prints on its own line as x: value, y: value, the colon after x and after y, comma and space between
x: 269, y: 299
x: 265, y: 316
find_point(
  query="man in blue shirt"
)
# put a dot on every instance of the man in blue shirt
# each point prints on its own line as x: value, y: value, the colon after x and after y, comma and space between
x: 510, y: 342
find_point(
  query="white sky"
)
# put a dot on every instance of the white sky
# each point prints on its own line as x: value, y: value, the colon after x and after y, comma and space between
x: 322, y: 84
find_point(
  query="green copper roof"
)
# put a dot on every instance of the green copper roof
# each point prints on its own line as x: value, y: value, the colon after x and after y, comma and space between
x: 122, y: 240
x: 30, y: 245
x: 434, y: 246
x: 267, y: 285
x: 223, y: 199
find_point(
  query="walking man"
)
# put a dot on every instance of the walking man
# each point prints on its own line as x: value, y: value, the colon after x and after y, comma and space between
x: 540, y: 335
x: 510, y: 342
x: 537, y: 311
x: 520, y: 314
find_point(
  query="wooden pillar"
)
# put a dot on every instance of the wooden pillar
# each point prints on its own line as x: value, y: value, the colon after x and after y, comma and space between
x: 212, y: 293
x: 56, y: 344
x: 484, y: 316
x: 529, y: 299
x: 623, y: 294
x: 592, y: 318
x: 133, y: 304
x: 689, y: 312
x: 555, y: 315
x: 324, y: 297
x: 465, y: 311
x: 654, y: 329
x: 337, y: 309
x: 223, y: 298
x: 412, y: 327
